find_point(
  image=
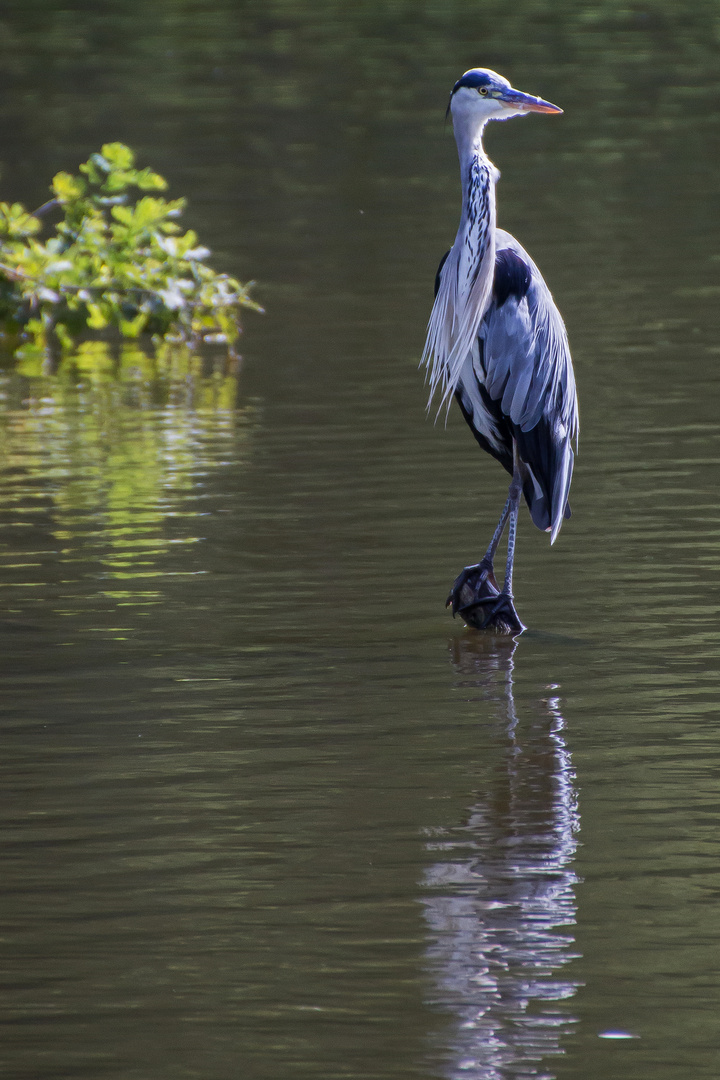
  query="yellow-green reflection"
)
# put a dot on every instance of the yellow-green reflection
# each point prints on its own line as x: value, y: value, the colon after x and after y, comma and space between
x: 118, y: 447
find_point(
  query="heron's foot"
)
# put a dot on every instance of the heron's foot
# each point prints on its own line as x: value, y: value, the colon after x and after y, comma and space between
x: 498, y: 615
x: 475, y: 596
x: 474, y: 585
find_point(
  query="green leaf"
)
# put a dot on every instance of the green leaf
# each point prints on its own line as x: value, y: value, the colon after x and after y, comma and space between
x: 132, y: 328
x: 123, y: 214
x: 119, y: 155
x: 96, y: 317
x: 16, y: 223
x: 67, y: 187
x: 147, y: 180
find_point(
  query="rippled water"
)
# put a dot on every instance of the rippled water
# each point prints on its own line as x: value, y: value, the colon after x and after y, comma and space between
x: 267, y: 810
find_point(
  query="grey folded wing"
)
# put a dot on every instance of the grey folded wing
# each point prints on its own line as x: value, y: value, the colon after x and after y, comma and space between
x: 525, y: 369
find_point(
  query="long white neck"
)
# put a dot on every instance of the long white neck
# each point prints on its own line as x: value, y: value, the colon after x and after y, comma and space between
x: 466, y: 279
x: 478, y: 177
x: 470, y: 147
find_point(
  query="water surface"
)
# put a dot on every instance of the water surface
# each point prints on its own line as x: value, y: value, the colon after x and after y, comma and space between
x: 267, y: 810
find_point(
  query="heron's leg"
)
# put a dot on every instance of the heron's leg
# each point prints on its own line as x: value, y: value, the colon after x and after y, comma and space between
x: 475, y: 593
x: 480, y: 577
x: 500, y: 611
x: 489, y: 555
x: 514, y: 505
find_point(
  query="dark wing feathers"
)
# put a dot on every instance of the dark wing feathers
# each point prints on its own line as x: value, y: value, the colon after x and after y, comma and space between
x: 503, y: 451
x: 525, y: 371
x: 439, y: 272
x: 512, y: 276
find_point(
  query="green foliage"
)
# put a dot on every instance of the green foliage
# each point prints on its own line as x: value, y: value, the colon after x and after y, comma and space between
x: 114, y: 263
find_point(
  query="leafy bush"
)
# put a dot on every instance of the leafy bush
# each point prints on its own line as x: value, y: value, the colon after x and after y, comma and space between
x: 114, y: 263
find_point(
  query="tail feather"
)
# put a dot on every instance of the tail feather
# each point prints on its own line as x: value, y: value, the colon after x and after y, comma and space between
x: 547, y: 466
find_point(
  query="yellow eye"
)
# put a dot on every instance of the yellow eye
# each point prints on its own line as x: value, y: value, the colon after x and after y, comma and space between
x: 483, y: 90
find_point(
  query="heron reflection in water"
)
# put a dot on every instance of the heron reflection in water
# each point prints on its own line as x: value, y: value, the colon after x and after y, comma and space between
x: 501, y: 889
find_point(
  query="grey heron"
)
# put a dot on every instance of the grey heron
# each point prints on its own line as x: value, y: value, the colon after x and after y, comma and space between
x: 497, y: 343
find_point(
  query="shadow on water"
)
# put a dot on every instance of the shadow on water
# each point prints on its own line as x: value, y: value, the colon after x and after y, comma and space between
x: 500, y: 896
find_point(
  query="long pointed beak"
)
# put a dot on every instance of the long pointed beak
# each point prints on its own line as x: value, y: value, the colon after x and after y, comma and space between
x: 515, y: 99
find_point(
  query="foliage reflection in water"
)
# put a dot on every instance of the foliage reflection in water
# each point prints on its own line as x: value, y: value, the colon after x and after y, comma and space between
x: 112, y: 448
x: 503, y: 885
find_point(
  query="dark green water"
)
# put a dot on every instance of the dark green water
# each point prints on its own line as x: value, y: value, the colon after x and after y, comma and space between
x: 267, y: 811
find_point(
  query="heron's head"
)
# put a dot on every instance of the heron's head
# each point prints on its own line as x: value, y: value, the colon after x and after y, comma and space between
x: 482, y: 95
